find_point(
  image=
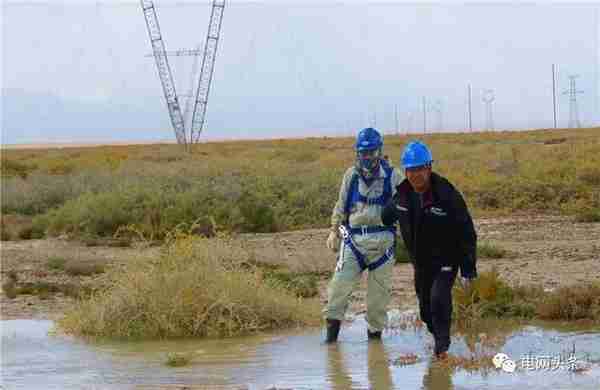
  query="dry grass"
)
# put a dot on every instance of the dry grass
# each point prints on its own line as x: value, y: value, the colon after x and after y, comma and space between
x: 275, y: 185
x: 491, y: 297
x: 197, y: 287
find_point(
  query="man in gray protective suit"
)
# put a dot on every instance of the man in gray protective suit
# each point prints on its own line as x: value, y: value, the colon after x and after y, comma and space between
x: 363, y: 242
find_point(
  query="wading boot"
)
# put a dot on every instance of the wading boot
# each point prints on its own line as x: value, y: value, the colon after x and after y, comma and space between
x: 442, y: 356
x: 373, y: 335
x: 333, y: 329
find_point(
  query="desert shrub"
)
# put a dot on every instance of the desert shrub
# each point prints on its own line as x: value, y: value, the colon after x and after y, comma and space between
x: 85, y: 268
x: 5, y: 234
x: 196, y: 287
x: 31, y: 232
x: 258, y: 216
x: 56, y: 263
x: 42, y: 192
x: 489, y: 296
x: 588, y: 214
x: 571, y: 303
x: 14, y: 168
x: 490, y: 251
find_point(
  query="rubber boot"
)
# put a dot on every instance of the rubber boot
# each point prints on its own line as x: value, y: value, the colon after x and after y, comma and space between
x: 373, y: 335
x: 333, y: 329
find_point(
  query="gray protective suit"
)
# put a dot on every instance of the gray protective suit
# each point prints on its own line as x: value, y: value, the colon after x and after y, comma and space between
x: 372, y: 245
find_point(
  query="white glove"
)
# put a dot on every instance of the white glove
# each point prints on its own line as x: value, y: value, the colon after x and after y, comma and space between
x: 333, y: 241
x: 466, y: 282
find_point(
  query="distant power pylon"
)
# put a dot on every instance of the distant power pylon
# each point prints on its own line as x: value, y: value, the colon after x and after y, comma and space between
x: 573, y: 111
x: 437, y: 107
x: 488, y: 98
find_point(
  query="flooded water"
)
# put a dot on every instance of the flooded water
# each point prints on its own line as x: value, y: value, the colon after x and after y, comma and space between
x: 33, y: 359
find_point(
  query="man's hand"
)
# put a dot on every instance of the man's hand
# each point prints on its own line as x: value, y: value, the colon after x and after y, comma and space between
x: 333, y: 241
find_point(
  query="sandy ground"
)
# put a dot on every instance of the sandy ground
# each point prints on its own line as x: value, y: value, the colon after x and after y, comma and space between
x: 552, y: 251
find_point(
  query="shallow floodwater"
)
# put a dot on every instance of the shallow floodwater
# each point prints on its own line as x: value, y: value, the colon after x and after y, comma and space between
x: 33, y: 359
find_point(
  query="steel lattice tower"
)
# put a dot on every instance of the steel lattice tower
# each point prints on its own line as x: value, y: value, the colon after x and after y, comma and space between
x: 187, y: 125
x: 164, y: 70
x: 573, y: 111
x: 206, y: 71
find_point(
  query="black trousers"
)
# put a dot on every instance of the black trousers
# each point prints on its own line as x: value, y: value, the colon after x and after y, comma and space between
x: 433, y: 286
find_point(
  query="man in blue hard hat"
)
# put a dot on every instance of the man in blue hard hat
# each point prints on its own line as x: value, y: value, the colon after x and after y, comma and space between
x: 438, y: 232
x: 360, y: 237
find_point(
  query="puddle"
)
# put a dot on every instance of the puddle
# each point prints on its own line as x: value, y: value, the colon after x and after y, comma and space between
x: 32, y: 359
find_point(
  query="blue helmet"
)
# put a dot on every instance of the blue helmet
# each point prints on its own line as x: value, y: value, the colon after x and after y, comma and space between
x: 368, y: 139
x: 416, y: 154
x: 368, y: 151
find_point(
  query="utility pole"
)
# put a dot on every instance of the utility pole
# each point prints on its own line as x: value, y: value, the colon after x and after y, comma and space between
x: 424, y: 116
x: 396, y: 119
x: 573, y: 111
x: 469, y: 105
x: 488, y: 98
x: 554, y: 94
x: 437, y: 107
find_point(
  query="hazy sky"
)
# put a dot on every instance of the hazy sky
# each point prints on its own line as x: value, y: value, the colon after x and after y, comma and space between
x: 77, y: 71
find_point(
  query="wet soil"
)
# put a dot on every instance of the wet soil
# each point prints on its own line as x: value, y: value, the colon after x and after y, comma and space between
x: 548, y: 250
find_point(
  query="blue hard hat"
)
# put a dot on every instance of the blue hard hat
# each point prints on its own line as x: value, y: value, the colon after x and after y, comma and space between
x: 416, y: 154
x: 368, y: 139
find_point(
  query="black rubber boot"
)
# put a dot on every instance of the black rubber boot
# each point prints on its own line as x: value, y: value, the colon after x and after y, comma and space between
x: 373, y: 335
x: 333, y: 329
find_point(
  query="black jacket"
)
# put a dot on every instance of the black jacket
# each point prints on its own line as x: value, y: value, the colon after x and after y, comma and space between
x: 437, y: 231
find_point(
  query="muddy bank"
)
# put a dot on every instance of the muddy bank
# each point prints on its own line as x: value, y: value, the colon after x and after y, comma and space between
x: 551, y: 251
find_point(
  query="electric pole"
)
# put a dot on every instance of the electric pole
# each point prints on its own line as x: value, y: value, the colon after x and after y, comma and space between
x: 469, y: 105
x: 488, y: 98
x: 554, y: 94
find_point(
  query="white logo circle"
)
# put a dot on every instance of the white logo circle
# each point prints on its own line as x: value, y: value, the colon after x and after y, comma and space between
x: 509, y: 365
x: 499, y: 358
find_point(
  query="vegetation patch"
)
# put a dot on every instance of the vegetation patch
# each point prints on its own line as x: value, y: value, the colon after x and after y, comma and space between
x: 282, y: 185
x: 176, y: 359
x: 44, y: 290
x: 197, y: 287
x: 402, y: 256
x: 588, y: 214
x: 579, y: 302
x: 56, y: 263
x: 487, y: 250
x: 85, y: 268
x: 490, y: 297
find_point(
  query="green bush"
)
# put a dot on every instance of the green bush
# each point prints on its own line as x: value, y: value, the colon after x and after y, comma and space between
x: 56, y: 263
x: 12, y: 168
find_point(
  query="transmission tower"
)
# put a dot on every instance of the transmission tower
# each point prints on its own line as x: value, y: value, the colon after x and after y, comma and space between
x: 488, y: 98
x: 573, y: 112
x: 164, y: 70
x: 206, y: 71
x: 187, y: 126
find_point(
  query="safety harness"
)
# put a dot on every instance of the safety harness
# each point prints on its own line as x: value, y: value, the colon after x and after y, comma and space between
x: 347, y: 232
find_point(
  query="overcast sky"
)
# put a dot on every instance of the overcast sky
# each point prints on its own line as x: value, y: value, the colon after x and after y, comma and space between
x: 78, y: 71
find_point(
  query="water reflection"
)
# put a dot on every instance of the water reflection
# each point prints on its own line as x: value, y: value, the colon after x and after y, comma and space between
x: 437, y: 378
x: 379, y: 374
x: 339, y: 377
